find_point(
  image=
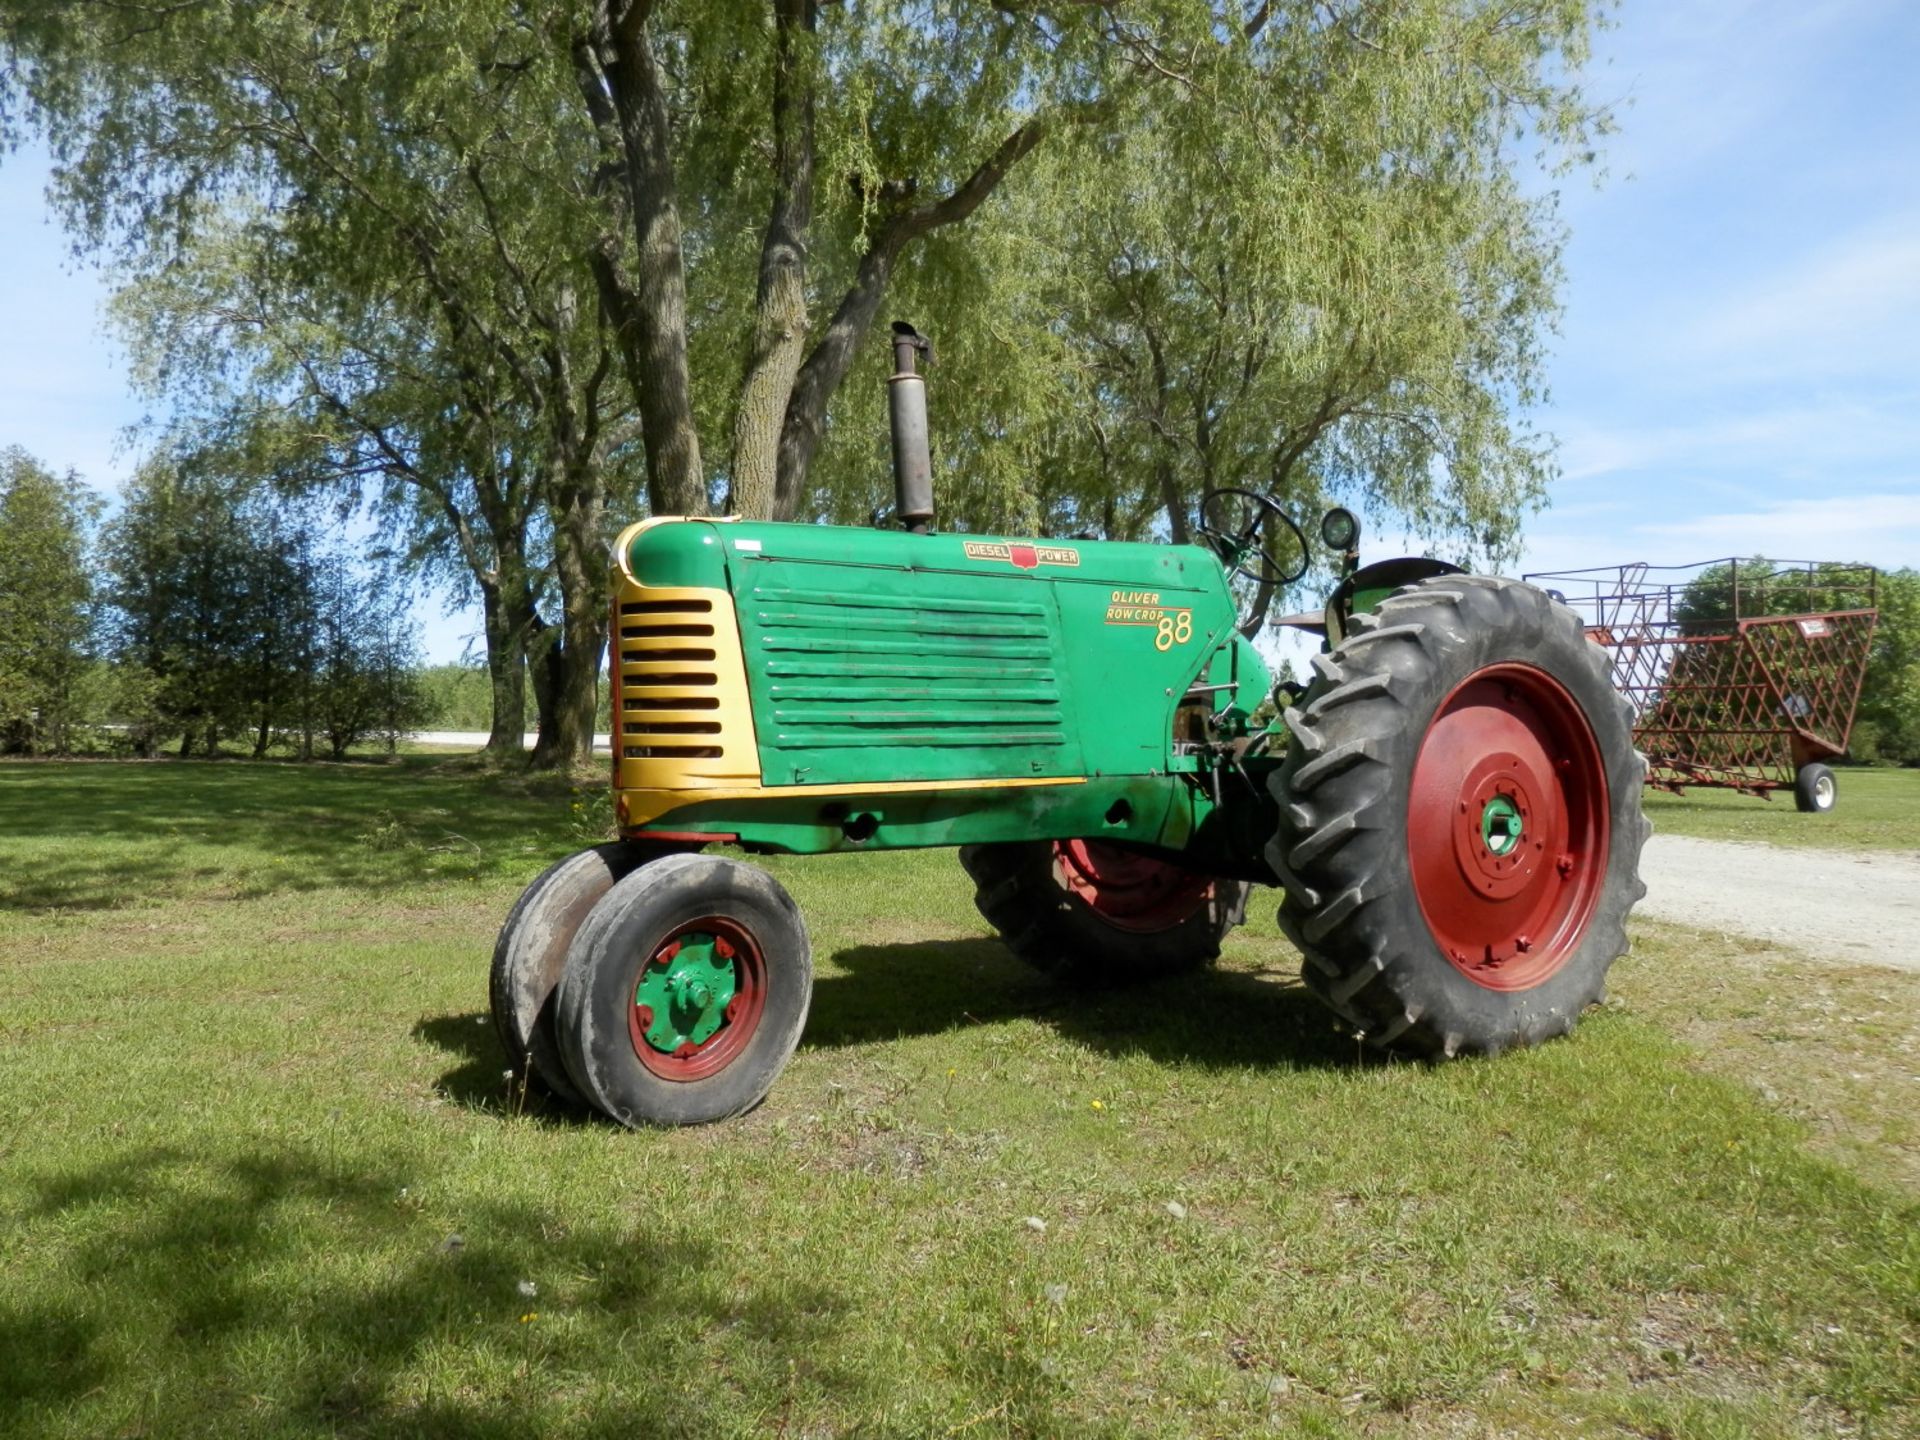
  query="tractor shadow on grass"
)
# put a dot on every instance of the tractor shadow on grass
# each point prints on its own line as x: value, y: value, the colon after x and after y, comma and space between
x: 1217, y: 1018
x: 480, y: 1081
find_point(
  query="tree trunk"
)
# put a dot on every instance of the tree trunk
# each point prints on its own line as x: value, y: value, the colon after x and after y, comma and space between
x: 825, y: 368
x: 831, y: 358
x: 780, y: 302
x: 662, y: 387
x: 1170, y: 497
x: 567, y: 720
x: 507, y: 675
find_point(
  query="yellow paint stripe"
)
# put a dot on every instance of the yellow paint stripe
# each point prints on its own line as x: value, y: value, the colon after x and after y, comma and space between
x: 643, y: 807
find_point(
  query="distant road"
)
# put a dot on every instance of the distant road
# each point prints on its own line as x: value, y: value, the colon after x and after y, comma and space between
x: 474, y: 739
x: 1857, y: 906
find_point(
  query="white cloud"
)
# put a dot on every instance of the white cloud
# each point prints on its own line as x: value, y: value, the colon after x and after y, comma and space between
x: 1814, y: 437
x: 1881, y: 529
x: 1851, y: 306
x: 1874, y: 528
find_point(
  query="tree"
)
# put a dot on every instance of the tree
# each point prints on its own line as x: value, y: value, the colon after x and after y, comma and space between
x: 232, y: 616
x: 366, y: 680
x: 1888, y: 725
x: 1301, y: 261
x: 1172, y: 240
x: 46, y: 597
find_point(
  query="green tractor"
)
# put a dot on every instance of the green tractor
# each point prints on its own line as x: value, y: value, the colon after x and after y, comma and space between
x: 1451, y: 806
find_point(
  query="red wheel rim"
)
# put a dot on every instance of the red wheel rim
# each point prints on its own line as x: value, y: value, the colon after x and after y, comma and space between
x: 1507, y: 826
x: 1128, y: 890
x: 741, y: 1014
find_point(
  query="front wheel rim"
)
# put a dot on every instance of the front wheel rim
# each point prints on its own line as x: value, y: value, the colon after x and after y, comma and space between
x: 1507, y: 826
x: 698, y: 999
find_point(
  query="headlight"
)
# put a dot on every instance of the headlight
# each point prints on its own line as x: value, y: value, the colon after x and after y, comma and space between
x: 1340, y: 529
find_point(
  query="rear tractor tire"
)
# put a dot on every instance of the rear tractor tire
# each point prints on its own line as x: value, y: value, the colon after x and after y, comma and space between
x: 1091, y: 914
x: 1460, y: 820
x: 531, y: 953
x: 1814, y: 789
x: 685, y: 992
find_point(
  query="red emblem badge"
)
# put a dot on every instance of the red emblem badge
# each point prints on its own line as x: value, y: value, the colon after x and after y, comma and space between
x: 1024, y: 557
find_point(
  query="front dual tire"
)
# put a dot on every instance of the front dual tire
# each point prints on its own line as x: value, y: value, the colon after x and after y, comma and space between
x: 660, y: 990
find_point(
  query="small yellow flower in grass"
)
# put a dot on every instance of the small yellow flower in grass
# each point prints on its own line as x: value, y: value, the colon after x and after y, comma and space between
x: 530, y: 1316
x: 1097, y: 1105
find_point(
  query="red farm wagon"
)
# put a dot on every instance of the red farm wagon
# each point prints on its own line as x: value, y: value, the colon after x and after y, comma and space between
x: 1743, y: 674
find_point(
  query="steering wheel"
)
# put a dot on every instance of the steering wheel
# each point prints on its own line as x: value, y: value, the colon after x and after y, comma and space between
x: 1231, y: 521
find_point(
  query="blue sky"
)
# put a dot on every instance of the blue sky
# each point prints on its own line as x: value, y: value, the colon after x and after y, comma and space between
x: 1738, y: 369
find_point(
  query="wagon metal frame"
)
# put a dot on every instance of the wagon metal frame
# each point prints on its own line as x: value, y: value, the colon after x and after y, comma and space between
x: 1740, y: 672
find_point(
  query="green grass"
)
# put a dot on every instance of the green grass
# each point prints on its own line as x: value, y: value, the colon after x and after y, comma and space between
x: 252, y: 1099
x: 1878, y: 809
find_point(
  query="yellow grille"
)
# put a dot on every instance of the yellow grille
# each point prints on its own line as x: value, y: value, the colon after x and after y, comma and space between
x: 681, y: 710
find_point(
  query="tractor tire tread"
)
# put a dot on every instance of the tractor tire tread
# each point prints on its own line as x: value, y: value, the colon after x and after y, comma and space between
x: 1355, y: 734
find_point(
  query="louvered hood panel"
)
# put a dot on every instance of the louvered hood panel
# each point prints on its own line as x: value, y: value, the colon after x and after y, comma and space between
x: 952, y: 681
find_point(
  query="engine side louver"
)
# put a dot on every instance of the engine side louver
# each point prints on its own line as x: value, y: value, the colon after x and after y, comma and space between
x: 863, y: 686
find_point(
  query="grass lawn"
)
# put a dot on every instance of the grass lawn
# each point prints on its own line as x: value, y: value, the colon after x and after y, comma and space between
x: 259, y: 1174
x: 1877, y: 809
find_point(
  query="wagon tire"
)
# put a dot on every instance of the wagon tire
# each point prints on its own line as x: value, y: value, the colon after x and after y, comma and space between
x: 1815, y: 789
x: 1152, y: 920
x: 531, y: 953
x: 1460, y: 821
x: 685, y: 992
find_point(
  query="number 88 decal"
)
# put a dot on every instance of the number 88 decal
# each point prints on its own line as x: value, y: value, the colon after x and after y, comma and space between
x: 1174, y: 629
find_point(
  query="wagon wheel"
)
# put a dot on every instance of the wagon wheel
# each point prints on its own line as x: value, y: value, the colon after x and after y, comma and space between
x: 1814, y: 789
x: 685, y: 992
x: 1092, y: 914
x: 1460, y: 826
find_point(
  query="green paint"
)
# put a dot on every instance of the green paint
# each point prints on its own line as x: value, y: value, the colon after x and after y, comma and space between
x: 688, y: 993
x: 1500, y: 825
x: 879, y: 656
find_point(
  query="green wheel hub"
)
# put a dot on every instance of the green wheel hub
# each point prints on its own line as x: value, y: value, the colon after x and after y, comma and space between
x: 1501, y: 825
x: 683, y: 995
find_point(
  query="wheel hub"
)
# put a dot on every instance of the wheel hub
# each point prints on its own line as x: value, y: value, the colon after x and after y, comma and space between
x: 685, y: 991
x: 1501, y: 823
x: 1507, y: 822
x: 1128, y: 890
x: 697, y: 1000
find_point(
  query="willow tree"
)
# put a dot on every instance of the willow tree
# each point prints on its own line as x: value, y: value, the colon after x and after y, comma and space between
x: 1303, y: 261
x: 1165, y: 242
x: 359, y: 229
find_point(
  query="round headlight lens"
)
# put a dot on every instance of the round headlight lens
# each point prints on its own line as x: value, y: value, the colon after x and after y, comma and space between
x: 1339, y: 529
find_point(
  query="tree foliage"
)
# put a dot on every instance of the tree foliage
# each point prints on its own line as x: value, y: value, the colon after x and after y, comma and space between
x: 528, y: 268
x: 234, y: 617
x: 46, y: 597
x: 1888, y: 725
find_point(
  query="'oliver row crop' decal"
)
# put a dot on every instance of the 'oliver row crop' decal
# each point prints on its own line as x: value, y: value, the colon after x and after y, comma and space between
x: 1172, y: 625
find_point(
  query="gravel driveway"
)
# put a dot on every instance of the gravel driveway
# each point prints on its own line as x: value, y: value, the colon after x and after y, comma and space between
x: 1860, y: 906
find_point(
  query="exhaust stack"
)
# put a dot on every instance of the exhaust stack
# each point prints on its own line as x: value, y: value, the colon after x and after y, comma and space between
x: 907, y: 407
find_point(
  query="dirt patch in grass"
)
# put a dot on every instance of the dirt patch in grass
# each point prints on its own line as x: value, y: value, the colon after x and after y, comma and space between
x: 1835, y: 1047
